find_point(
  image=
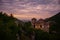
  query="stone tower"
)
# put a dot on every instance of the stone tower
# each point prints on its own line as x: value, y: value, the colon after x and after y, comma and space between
x: 33, y: 21
x: 40, y: 24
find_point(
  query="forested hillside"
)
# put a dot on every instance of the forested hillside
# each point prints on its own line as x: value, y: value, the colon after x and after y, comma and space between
x: 13, y: 29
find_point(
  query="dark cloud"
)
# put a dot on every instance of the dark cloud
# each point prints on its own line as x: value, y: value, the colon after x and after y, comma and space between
x: 59, y: 2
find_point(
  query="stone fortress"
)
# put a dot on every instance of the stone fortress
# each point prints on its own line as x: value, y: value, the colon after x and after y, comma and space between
x: 40, y: 24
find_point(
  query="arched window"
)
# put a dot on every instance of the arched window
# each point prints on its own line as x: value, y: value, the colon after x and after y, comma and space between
x: 40, y: 26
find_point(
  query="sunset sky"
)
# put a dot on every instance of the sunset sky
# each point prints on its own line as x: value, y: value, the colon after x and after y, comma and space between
x: 27, y: 9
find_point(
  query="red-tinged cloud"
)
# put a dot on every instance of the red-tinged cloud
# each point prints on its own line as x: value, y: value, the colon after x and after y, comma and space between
x: 27, y: 9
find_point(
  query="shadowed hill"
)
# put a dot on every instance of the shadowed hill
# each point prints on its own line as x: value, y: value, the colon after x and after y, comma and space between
x: 55, y: 26
x: 8, y: 27
x: 55, y: 18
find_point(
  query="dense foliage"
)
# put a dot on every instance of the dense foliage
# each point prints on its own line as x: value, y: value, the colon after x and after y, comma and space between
x: 9, y: 30
x: 8, y: 27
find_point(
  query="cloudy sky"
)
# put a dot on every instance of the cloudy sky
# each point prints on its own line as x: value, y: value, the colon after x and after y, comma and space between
x: 27, y: 9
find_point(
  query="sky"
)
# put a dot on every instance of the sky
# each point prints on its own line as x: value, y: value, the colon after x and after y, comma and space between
x: 27, y: 9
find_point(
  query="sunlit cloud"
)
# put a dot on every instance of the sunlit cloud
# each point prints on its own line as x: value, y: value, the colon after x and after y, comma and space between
x: 30, y: 8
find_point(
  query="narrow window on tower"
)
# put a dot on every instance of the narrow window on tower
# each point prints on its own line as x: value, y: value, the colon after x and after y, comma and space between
x: 40, y: 26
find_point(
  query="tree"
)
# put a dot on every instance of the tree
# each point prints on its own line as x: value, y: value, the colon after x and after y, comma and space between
x: 8, y: 27
x: 41, y: 35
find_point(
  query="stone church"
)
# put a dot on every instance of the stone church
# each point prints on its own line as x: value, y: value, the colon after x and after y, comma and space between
x: 40, y: 24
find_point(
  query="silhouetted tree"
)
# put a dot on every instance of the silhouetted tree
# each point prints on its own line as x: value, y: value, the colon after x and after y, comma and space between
x: 8, y: 27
